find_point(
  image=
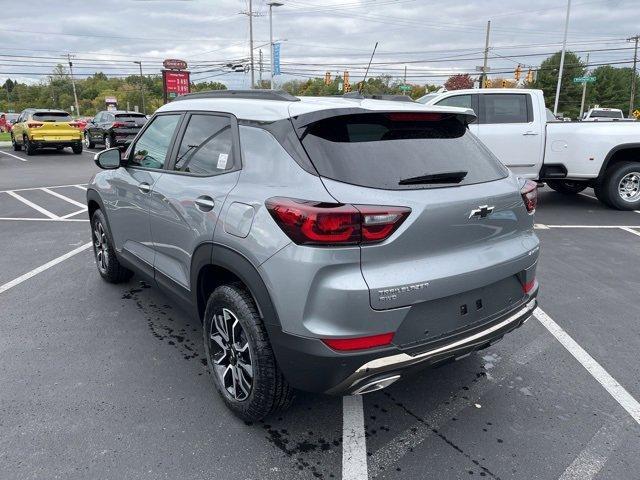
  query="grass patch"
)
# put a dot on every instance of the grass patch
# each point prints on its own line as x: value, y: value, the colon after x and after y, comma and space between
x: 5, y: 137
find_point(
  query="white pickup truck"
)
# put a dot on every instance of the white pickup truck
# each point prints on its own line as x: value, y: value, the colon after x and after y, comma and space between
x: 568, y: 156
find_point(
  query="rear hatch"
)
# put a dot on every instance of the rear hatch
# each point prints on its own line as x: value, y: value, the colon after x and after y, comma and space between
x: 458, y: 257
x: 53, y: 127
x: 126, y: 126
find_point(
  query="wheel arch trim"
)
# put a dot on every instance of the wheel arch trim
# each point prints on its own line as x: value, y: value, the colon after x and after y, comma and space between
x: 612, y: 152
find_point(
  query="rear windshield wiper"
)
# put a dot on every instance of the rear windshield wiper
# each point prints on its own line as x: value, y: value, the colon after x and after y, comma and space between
x: 445, y: 177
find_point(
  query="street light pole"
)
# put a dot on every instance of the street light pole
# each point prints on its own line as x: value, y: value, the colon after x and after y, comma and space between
x: 141, y: 86
x: 73, y: 84
x: 564, y: 48
x: 633, y: 75
x: 271, y: 5
x: 486, y: 56
x: 584, y: 92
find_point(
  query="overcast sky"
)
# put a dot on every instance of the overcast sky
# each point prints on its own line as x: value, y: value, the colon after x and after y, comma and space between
x: 433, y: 39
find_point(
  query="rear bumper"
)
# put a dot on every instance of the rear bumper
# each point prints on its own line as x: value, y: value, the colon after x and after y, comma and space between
x: 44, y: 143
x: 308, y: 364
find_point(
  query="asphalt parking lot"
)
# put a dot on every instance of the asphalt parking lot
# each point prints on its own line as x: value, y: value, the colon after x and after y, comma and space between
x: 105, y: 381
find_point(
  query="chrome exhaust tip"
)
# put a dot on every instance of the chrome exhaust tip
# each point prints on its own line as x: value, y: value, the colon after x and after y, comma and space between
x: 377, y: 384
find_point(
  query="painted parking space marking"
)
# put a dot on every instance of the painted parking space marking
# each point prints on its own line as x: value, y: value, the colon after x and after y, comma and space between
x: 592, y: 458
x: 354, y: 447
x: 42, y: 268
x: 35, y: 206
x: 630, y: 230
x: 14, y: 156
x: 596, y: 198
x: 79, y: 185
x: 610, y: 384
x: 62, y: 197
x: 539, y: 226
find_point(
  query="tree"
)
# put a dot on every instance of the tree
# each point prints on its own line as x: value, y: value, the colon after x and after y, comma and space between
x: 570, y: 93
x: 458, y: 82
x: 612, y: 88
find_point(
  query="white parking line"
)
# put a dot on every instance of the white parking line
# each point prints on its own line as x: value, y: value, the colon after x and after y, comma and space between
x: 61, y: 219
x: 630, y: 230
x: 14, y: 156
x: 81, y: 187
x: 42, y: 268
x: 354, y: 447
x: 62, y: 197
x: 539, y: 226
x: 610, y: 384
x: 592, y: 458
x: 73, y: 214
x: 33, y: 205
x: 38, y: 188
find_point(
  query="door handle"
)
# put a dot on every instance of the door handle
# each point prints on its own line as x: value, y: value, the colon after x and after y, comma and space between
x: 530, y: 133
x: 205, y: 203
x: 144, y: 187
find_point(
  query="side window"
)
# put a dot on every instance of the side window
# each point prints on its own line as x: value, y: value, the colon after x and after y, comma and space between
x: 206, y: 147
x: 150, y: 151
x: 97, y: 118
x: 463, y: 101
x: 505, y: 108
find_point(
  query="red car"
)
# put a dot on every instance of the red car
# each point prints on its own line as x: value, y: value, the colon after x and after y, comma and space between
x: 7, y: 120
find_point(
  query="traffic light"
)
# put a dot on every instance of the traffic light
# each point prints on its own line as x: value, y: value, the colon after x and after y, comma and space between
x: 504, y: 84
x: 347, y: 85
x: 487, y: 83
x: 327, y: 78
x: 529, y: 77
x: 517, y: 73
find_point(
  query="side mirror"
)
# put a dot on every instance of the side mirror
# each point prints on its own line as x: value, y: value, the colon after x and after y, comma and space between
x: 108, y: 159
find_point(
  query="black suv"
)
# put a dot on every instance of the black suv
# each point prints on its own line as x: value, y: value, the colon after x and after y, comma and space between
x: 116, y: 128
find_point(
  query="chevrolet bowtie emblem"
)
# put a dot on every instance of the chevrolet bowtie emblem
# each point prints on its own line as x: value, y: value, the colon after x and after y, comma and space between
x: 482, y: 211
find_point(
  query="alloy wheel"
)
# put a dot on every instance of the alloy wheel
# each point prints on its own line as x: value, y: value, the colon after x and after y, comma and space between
x: 100, y: 247
x: 629, y: 187
x: 230, y: 355
x: 86, y: 140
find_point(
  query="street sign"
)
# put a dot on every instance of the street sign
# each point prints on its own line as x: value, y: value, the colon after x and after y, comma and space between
x: 636, y: 113
x: 482, y: 69
x: 276, y: 58
x: 584, y: 79
x: 405, y: 88
x: 174, y: 64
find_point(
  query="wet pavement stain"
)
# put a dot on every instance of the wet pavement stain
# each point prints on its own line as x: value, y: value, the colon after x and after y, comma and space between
x: 158, y: 319
x: 484, y: 471
x: 297, y: 448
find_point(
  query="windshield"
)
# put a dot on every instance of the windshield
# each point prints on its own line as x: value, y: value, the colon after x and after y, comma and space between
x: 52, y: 116
x: 606, y: 114
x: 427, y: 97
x: 380, y: 150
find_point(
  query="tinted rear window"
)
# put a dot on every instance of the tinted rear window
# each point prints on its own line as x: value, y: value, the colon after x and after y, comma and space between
x: 137, y: 119
x: 380, y: 149
x: 52, y: 116
x: 606, y: 114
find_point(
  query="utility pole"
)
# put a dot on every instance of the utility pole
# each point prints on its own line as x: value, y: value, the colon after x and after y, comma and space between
x: 141, y: 86
x: 271, y: 5
x: 584, y: 92
x: 564, y: 48
x: 633, y: 75
x: 404, y: 82
x: 251, y: 41
x: 260, y: 68
x: 73, y: 84
x: 486, y: 56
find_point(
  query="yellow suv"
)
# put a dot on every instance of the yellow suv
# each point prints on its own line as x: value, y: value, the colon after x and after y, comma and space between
x: 40, y: 128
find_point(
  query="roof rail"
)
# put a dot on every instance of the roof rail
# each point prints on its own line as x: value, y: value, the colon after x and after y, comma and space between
x: 248, y: 94
x: 392, y: 97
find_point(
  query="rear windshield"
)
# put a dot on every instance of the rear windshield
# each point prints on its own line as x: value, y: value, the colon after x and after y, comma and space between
x: 137, y: 119
x: 380, y: 150
x: 52, y: 116
x: 606, y: 114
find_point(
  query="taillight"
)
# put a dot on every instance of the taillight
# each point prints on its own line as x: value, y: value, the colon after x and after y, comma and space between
x: 359, y: 343
x: 34, y: 124
x: 74, y: 124
x: 530, y: 286
x: 118, y: 125
x: 319, y: 223
x: 529, y: 192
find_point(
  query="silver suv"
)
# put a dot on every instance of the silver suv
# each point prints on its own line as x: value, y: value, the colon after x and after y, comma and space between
x: 326, y: 244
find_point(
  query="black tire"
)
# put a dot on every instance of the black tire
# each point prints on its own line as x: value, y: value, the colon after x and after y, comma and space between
x: 612, y: 184
x: 601, y: 193
x: 567, y: 187
x: 108, y: 265
x: 28, y: 146
x: 268, y: 392
x: 77, y: 148
x: 108, y: 143
x: 16, y: 146
x: 87, y: 141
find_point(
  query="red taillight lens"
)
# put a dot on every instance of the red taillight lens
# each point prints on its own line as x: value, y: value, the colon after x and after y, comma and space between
x: 75, y: 124
x: 529, y: 192
x: 318, y: 223
x: 34, y: 124
x: 359, y: 343
x: 530, y: 286
x: 417, y: 116
x: 118, y: 125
